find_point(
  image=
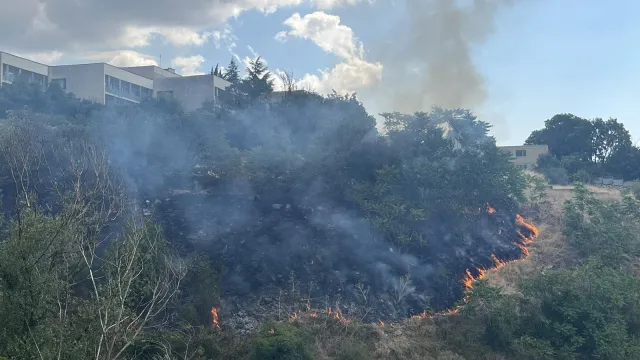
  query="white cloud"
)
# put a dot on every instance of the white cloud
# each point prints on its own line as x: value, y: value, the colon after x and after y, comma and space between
x: 122, y: 58
x: 326, y: 31
x: 329, y: 4
x: 189, y: 65
x: 47, y: 58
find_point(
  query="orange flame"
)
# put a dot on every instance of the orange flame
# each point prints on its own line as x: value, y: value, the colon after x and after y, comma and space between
x: 214, y: 317
x: 293, y: 317
x: 490, y: 210
x: 380, y: 323
x: 421, y: 316
x: 314, y: 315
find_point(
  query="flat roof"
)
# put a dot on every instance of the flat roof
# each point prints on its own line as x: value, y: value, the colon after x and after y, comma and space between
x: 23, y: 58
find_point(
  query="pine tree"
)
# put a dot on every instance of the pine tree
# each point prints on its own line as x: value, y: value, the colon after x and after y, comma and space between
x: 231, y: 73
x: 259, y: 80
x: 217, y: 72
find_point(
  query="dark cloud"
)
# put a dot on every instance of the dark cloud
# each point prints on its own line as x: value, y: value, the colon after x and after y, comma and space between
x: 98, y: 25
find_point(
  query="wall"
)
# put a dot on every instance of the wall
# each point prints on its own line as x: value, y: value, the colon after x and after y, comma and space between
x: 86, y: 81
x: 24, y: 64
x: 150, y: 72
x: 191, y: 91
x: 532, y: 153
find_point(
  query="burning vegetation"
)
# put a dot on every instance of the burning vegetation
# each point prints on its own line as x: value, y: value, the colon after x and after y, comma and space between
x: 296, y: 220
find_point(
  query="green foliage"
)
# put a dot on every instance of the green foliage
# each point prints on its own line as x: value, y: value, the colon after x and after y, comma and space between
x: 202, y: 291
x: 597, y: 147
x: 280, y: 341
x: 581, y: 176
x: 605, y: 231
x: 425, y: 180
x: 590, y: 311
x: 354, y: 351
x: 635, y: 189
x: 231, y: 73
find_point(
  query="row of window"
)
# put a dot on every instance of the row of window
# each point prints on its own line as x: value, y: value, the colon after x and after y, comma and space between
x: 11, y: 73
x: 126, y: 89
x: 110, y: 100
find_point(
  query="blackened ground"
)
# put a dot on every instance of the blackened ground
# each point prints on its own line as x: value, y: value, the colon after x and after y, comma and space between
x: 326, y: 255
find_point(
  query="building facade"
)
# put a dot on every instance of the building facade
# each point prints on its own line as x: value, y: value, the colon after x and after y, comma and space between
x: 107, y: 84
x: 102, y: 83
x: 13, y: 67
x: 526, y: 156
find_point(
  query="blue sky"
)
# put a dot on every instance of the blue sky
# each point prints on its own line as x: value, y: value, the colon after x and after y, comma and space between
x: 543, y: 57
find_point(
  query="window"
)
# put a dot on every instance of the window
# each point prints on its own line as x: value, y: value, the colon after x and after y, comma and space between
x: 60, y: 82
x: 520, y: 153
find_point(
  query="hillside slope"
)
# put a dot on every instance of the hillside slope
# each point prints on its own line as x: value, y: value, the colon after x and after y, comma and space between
x: 446, y: 335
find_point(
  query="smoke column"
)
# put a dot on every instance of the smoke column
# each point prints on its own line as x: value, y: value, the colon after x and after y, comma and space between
x: 429, y: 61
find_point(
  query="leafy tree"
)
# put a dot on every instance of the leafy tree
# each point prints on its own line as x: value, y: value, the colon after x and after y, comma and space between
x: 566, y: 134
x: 609, y: 137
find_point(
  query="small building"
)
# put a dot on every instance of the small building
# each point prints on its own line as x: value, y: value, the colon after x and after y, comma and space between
x: 14, y: 67
x: 526, y: 156
x: 191, y: 91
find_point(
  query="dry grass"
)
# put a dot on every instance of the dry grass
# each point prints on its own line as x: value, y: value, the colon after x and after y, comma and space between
x: 551, y: 249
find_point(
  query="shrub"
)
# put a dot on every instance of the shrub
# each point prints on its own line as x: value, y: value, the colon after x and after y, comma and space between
x: 354, y: 351
x: 635, y: 188
x: 556, y: 175
x: 280, y: 342
x: 581, y: 176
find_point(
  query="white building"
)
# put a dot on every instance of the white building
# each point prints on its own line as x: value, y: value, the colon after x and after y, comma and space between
x: 102, y: 83
x: 106, y: 84
x: 14, y: 67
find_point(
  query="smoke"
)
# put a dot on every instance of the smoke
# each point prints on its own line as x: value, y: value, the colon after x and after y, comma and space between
x: 429, y: 62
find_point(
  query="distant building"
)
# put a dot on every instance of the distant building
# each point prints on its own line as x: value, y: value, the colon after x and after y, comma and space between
x: 14, y: 67
x: 526, y: 156
x: 102, y: 83
x: 106, y: 84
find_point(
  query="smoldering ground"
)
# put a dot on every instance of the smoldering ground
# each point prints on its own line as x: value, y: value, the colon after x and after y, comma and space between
x: 263, y: 192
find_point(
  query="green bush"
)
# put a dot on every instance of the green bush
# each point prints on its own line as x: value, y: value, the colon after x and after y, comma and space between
x: 556, y: 175
x: 635, y: 189
x: 354, y: 351
x: 581, y: 176
x: 280, y: 342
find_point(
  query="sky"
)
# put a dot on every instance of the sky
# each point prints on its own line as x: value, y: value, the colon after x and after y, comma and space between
x: 515, y: 63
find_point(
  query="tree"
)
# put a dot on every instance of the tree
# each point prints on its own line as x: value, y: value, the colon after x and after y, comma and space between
x: 259, y: 80
x: 608, y: 137
x: 217, y: 72
x: 231, y: 73
x: 566, y: 134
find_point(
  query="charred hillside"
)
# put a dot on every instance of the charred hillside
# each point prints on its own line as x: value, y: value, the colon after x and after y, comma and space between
x: 304, y: 195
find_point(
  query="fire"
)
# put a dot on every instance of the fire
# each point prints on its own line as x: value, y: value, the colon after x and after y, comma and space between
x: 490, y: 210
x: 314, y: 315
x: 534, y: 230
x: 380, y: 323
x: 421, y: 316
x: 214, y: 317
x: 293, y: 317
